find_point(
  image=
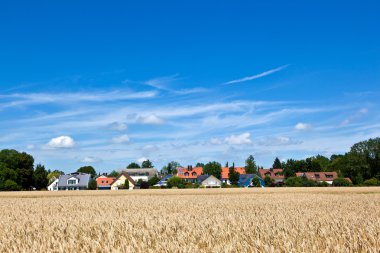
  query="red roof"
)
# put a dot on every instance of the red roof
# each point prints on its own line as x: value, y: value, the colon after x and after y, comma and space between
x: 104, y: 181
x: 226, y: 171
x: 275, y: 173
x: 189, y: 173
x: 318, y: 176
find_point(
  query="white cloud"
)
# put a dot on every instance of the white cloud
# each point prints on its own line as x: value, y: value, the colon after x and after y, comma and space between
x: 30, y: 146
x: 142, y: 159
x: 265, y: 73
x: 161, y: 82
x: 121, y: 139
x: 61, y: 142
x: 90, y: 159
x: 243, y: 138
x: 118, y: 126
x: 278, y: 141
x: 358, y: 114
x: 216, y: 141
x: 151, y: 119
x: 302, y: 126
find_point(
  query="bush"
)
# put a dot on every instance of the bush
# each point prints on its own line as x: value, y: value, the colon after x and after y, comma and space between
x: 144, y: 185
x: 10, y: 185
x: 126, y: 184
x: 256, y: 182
x: 299, y: 182
x: 268, y: 181
x: 323, y: 184
x: 341, y: 182
x: 175, y: 182
x: 372, y: 182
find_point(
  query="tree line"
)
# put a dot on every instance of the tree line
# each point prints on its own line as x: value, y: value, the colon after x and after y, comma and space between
x: 361, y: 164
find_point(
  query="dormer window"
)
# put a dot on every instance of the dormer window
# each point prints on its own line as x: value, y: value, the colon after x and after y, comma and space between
x: 71, y: 181
x: 329, y: 176
x: 317, y: 175
x: 194, y: 174
x: 186, y: 174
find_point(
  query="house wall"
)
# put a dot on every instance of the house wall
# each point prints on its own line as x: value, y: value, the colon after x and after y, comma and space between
x: 121, y: 181
x: 212, y: 182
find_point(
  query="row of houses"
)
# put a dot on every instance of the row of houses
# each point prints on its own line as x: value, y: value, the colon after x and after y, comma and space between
x: 80, y: 181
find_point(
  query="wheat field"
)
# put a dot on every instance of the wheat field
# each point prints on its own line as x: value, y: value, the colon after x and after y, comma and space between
x: 194, y: 220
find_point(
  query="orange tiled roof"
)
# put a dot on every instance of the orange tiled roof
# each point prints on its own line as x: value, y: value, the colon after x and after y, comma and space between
x: 104, y: 181
x: 226, y: 171
x: 275, y: 173
x: 185, y: 173
x: 318, y: 176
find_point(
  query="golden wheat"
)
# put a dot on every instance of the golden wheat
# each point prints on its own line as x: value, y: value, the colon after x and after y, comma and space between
x: 197, y: 220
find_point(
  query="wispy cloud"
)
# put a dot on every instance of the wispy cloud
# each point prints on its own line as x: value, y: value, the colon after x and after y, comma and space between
x: 257, y: 76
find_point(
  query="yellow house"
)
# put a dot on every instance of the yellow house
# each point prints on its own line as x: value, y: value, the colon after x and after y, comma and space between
x: 119, y: 182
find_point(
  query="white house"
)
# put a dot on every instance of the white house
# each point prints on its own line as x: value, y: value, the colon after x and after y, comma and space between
x: 53, y: 186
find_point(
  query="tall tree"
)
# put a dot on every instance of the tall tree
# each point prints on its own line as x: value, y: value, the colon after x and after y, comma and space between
x: 114, y: 174
x: 233, y: 175
x: 54, y: 175
x: 200, y: 165
x: 171, y: 168
x: 21, y: 163
x: 250, y: 165
x: 133, y: 165
x: 40, y: 177
x: 277, y: 164
x: 88, y: 169
x: 147, y: 164
x: 213, y: 168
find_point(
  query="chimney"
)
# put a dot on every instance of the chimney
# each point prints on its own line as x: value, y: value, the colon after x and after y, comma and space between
x: 189, y: 167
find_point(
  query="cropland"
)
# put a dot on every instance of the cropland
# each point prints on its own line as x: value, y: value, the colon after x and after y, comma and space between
x: 327, y: 219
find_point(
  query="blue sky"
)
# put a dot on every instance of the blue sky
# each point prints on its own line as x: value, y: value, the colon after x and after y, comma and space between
x: 105, y: 84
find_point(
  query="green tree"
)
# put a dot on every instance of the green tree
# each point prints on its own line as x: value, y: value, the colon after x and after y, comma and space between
x: 171, y: 168
x: 154, y: 180
x: 21, y: 163
x: 147, y: 164
x: 175, y: 182
x: 213, y: 168
x: 233, y: 176
x: 268, y: 181
x: 126, y: 184
x: 54, y: 175
x: 133, y: 165
x: 200, y: 165
x: 256, y: 182
x: 40, y: 177
x: 250, y: 165
x: 114, y: 174
x: 92, y: 184
x: 88, y: 170
x: 277, y: 164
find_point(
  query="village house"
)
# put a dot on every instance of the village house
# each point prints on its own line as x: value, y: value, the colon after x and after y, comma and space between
x: 104, y: 183
x: 320, y: 177
x: 119, y: 182
x: 226, y: 173
x: 53, y: 186
x: 275, y: 174
x: 189, y: 174
x: 245, y: 180
x: 209, y: 181
x: 143, y: 174
x: 74, y: 181
x: 164, y: 181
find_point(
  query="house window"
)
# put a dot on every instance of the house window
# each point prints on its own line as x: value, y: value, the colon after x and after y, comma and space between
x: 329, y: 176
x: 71, y: 181
x: 194, y: 174
x: 102, y: 181
x: 317, y: 175
x: 107, y: 182
x: 186, y: 174
x: 267, y: 174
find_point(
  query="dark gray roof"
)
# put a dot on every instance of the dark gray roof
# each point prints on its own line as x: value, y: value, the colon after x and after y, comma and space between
x: 150, y: 172
x: 83, y: 179
x: 202, y: 178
